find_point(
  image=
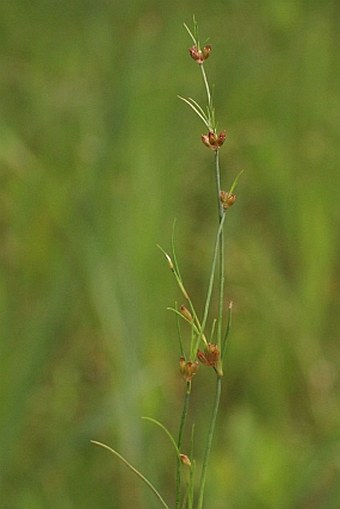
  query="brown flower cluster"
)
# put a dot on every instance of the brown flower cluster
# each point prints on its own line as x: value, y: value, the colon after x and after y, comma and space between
x: 214, y: 141
x: 210, y: 356
x: 227, y: 199
x: 200, y: 55
x: 188, y: 368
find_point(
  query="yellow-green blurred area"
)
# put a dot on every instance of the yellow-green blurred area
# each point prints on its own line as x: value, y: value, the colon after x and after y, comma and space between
x: 98, y: 156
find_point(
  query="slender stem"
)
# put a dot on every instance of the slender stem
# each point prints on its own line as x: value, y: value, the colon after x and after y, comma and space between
x: 179, y: 442
x: 209, y: 441
x: 191, y: 489
x: 206, y: 84
x: 220, y: 248
x: 221, y: 215
x: 179, y: 333
x: 227, y: 332
x: 212, y: 277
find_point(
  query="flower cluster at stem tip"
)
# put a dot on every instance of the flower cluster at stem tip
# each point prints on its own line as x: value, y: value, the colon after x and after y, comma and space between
x: 200, y: 55
x: 188, y: 369
x: 214, y: 141
x: 210, y: 356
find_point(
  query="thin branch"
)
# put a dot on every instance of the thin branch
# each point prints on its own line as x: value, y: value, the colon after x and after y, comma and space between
x: 133, y: 469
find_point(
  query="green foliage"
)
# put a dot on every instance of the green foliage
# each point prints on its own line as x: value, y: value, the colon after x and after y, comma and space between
x: 97, y: 157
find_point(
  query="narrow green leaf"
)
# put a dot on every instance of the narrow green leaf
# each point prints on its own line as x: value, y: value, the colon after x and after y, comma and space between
x: 198, y: 106
x: 195, y: 25
x: 168, y: 258
x: 190, y: 34
x: 178, y: 313
x: 204, y: 120
x: 212, y: 330
x: 179, y: 332
x: 174, y: 256
x: 134, y: 470
x: 169, y: 435
x: 228, y: 329
x: 234, y: 184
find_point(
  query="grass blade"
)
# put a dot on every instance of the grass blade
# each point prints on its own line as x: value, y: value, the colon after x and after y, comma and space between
x: 166, y: 431
x: 133, y: 469
x: 198, y: 113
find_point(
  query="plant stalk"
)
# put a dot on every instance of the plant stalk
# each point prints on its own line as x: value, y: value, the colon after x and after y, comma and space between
x: 212, y: 277
x: 209, y: 440
x: 221, y: 216
x: 207, y: 88
x: 179, y: 442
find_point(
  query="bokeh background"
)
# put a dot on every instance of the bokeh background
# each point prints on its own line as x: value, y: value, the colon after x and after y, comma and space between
x: 97, y: 159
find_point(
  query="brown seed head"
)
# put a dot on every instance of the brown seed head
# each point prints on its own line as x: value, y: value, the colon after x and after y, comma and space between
x: 185, y: 460
x: 227, y: 199
x: 210, y: 356
x: 200, y: 55
x: 206, y: 51
x: 221, y: 138
x: 186, y: 313
x: 205, y: 140
x: 188, y: 369
x: 196, y: 54
x: 212, y: 140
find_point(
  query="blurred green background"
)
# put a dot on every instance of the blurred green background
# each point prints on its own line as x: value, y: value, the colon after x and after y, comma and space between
x: 97, y: 158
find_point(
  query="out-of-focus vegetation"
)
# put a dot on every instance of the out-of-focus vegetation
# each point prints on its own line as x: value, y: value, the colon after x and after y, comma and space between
x: 97, y: 158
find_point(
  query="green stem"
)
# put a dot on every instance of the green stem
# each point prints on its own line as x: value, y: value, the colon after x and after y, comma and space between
x: 209, y: 441
x: 212, y: 277
x: 207, y: 88
x: 221, y: 215
x: 227, y: 332
x: 220, y: 248
x: 179, y: 442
